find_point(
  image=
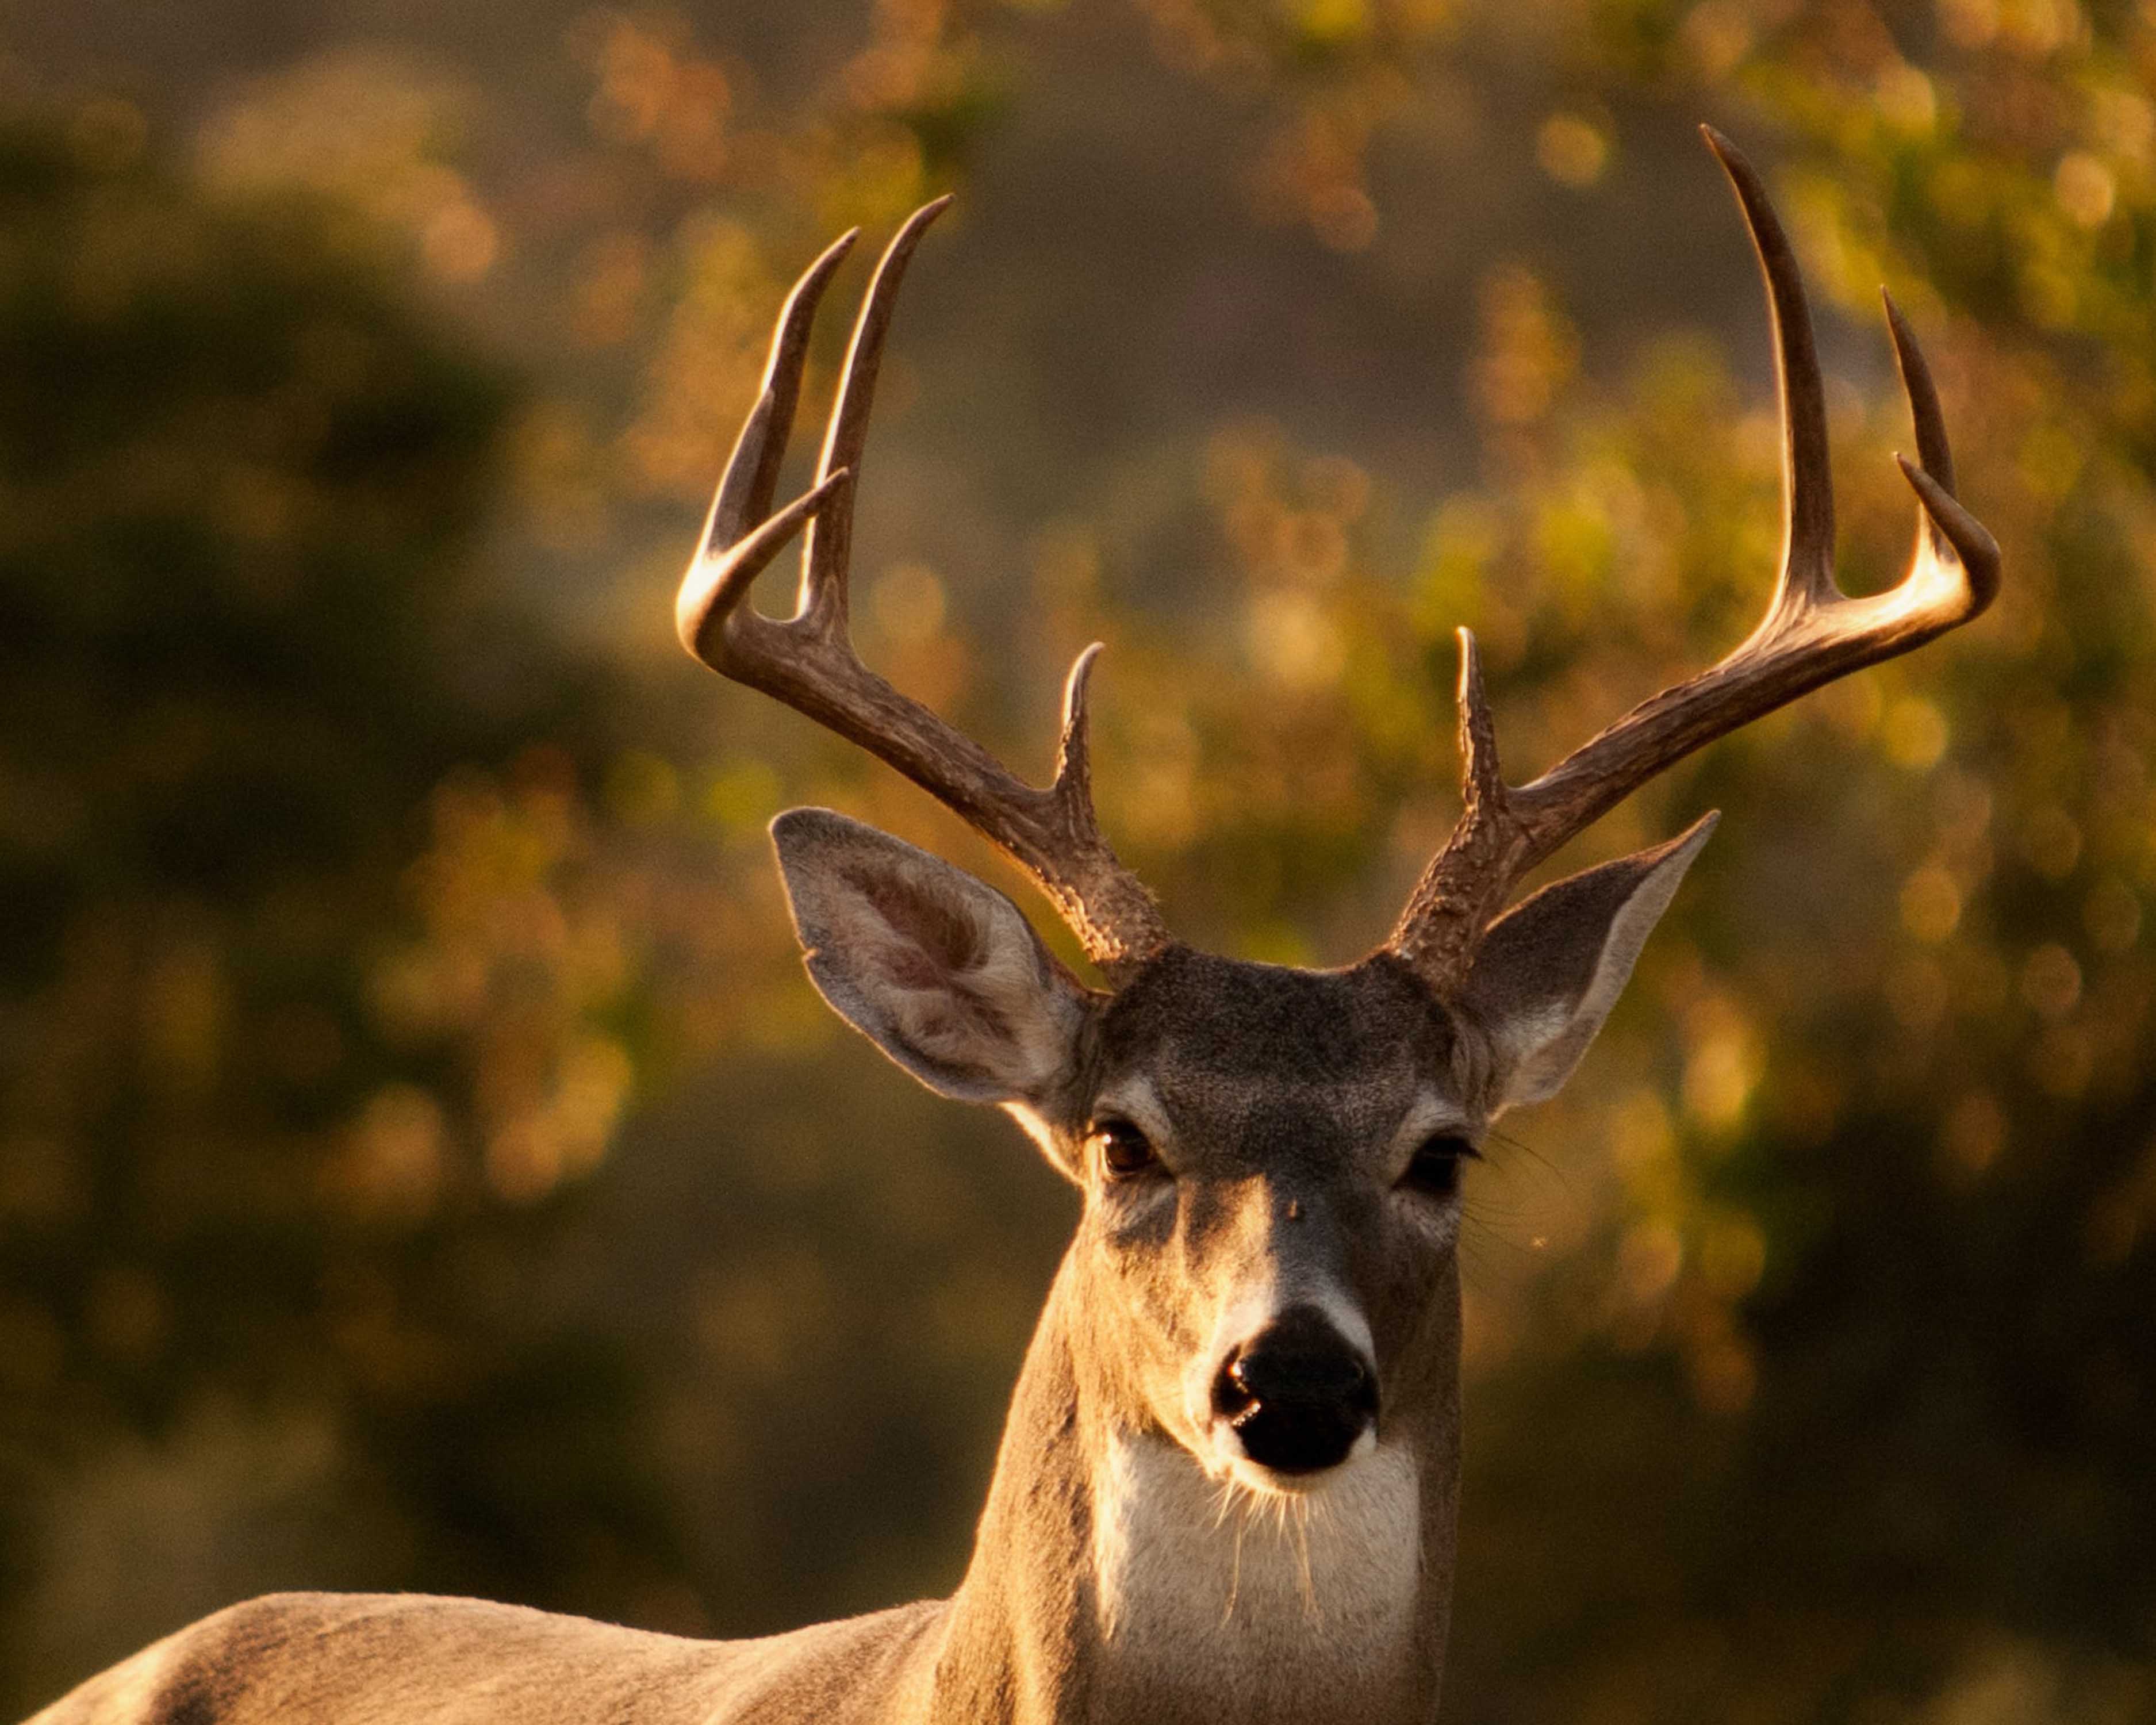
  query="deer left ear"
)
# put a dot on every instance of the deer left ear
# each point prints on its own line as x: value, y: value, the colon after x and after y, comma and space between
x: 1548, y: 971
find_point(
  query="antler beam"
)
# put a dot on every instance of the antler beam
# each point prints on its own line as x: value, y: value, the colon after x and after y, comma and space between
x: 1811, y: 634
x: 807, y: 660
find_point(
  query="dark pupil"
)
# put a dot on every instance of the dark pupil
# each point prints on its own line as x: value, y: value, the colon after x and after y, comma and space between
x: 1124, y: 1148
x: 1436, y: 1168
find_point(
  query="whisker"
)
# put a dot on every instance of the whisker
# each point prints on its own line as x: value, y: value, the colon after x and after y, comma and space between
x: 1300, y: 1522
x: 1235, y: 1565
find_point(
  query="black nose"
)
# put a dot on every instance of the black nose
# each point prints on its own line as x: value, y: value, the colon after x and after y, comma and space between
x: 1298, y: 1393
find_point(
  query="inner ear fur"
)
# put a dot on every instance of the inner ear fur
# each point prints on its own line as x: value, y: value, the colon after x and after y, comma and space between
x: 1548, y: 971
x: 941, y: 971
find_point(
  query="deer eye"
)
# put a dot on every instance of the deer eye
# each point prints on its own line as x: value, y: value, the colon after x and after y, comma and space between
x: 1126, y: 1152
x: 1434, y: 1170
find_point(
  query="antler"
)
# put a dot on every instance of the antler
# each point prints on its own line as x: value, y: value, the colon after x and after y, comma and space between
x: 807, y: 660
x: 1811, y: 634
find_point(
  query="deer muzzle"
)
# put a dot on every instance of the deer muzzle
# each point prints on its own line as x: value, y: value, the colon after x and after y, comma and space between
x: 1298, y: 1395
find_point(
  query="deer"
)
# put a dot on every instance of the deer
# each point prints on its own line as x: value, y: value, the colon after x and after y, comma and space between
x: 1228, y: 1484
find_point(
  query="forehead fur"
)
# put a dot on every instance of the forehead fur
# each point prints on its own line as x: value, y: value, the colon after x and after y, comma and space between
x: 1229, y: 1019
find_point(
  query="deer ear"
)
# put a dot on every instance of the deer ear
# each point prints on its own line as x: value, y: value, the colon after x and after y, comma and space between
x: 1549, y: 969
x: 939, y: 970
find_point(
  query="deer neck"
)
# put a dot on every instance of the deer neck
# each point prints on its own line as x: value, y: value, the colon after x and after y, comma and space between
x: 1112, y: 1578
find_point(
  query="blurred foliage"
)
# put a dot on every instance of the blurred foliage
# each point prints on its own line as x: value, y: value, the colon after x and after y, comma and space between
x: 348, y: 926
x: 242, y: 648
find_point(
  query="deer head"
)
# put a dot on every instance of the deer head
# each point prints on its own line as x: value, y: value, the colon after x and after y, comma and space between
x: 1270, y: 1158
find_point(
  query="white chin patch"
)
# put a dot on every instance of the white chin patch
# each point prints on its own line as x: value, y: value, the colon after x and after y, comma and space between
x: 1230, y: 1460
x: 1256, y: 1604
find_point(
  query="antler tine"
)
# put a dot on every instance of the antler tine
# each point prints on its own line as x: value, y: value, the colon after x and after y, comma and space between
x: 1464, y: 883
x: 1946, y: 532
x: 1810, y: 635
x: 1807, y: 574
x: 807, y: 660
x: 726, y: 561
x: 828, y: 545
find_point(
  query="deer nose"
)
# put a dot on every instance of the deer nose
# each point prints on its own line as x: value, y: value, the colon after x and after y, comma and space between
x: 1298, y: 1393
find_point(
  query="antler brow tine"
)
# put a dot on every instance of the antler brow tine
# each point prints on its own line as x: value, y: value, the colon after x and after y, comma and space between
x: 807, y: 660
x: 1811, y: 633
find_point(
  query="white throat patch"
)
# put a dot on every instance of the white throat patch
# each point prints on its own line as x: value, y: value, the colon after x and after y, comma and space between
x: 1265, y: 1605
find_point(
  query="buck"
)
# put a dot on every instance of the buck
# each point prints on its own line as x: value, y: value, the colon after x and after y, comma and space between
x: 1227, y: 1485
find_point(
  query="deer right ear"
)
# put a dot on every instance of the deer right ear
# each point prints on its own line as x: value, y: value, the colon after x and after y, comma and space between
x: 1548, y: 971
x: 941, y: 972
